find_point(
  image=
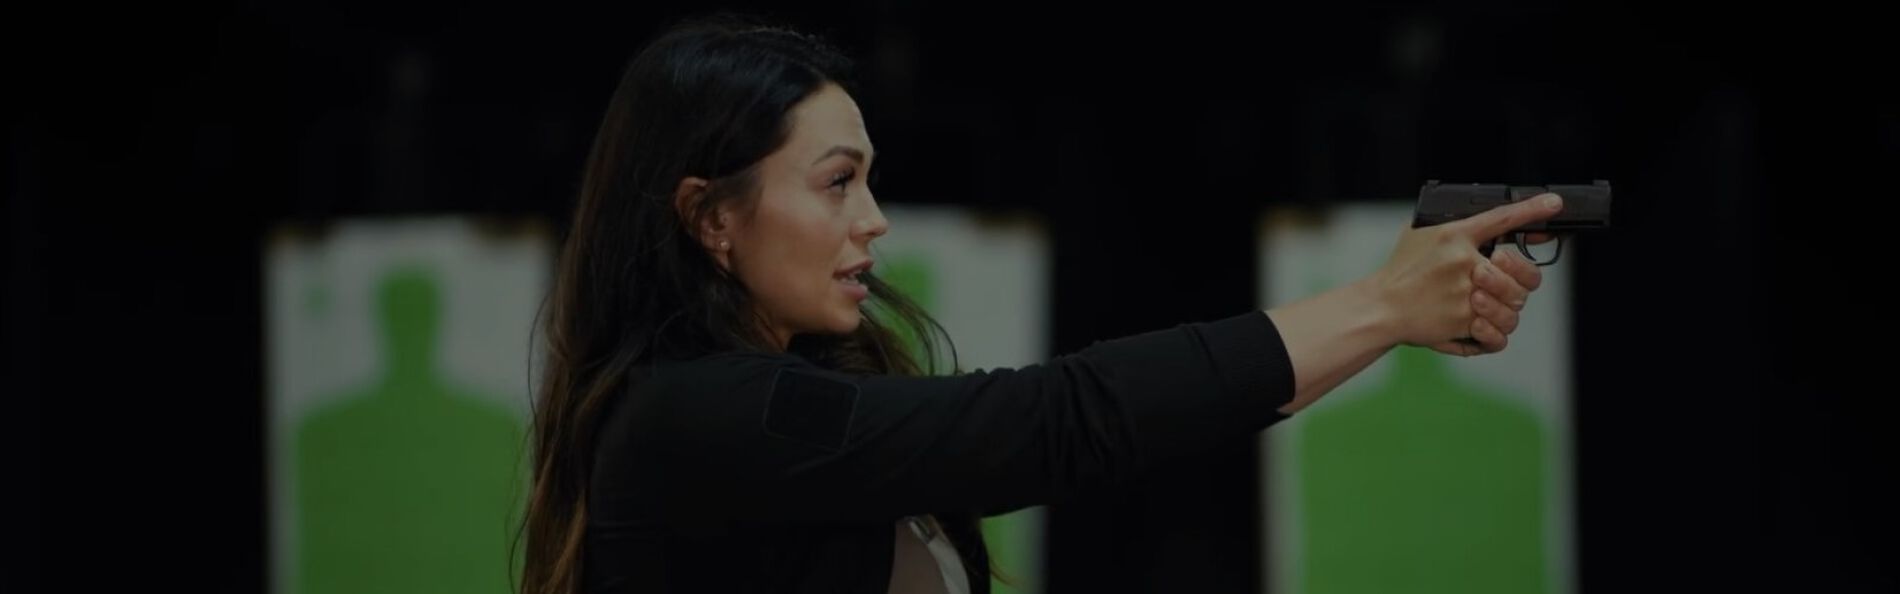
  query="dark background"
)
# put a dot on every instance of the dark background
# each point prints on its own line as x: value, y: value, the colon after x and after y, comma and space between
x: 1720, y: 445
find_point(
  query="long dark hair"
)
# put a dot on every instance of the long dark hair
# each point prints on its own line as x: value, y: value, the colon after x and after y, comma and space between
x: 708, y: 98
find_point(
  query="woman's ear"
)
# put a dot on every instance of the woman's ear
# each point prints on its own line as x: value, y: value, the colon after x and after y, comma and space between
x: 686, y: 200
x: 712, y: 230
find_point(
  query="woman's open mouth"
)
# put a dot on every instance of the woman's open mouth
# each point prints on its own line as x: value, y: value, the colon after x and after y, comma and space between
x: 850, y: 279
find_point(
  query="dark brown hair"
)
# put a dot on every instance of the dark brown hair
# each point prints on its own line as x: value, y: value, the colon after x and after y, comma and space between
x: 709, y: 99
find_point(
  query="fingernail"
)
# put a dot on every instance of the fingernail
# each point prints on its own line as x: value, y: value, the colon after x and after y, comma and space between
x: 1553, y: 202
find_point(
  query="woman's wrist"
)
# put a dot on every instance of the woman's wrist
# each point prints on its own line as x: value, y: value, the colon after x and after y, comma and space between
x: 1336, y: 334
x: 1378, y: 311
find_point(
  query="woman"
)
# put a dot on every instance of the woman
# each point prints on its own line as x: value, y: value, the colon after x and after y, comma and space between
x: 727, y: 406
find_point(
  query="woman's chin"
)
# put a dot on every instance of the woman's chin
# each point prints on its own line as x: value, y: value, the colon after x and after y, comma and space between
x: 845, y: 322
x: 838, y: 322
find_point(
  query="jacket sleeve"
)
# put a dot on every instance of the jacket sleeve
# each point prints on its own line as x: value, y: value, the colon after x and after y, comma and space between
x: 762, y: 437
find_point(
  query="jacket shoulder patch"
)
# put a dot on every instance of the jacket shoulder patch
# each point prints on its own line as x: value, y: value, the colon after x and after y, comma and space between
x: 811, y: 408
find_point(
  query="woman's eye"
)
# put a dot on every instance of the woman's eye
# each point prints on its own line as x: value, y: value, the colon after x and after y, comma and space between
x: 839, y: 180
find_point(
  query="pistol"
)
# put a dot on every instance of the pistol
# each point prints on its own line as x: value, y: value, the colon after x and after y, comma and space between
x: 1586, y: 207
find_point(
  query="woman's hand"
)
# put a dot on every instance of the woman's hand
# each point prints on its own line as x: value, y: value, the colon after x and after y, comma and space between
x: 1433, y: 290
x: 1440, y: 289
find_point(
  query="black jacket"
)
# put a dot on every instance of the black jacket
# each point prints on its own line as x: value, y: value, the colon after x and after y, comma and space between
x: 761, y: 472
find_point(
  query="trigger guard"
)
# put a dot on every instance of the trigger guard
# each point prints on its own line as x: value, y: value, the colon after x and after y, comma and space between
x: 1525, y: 249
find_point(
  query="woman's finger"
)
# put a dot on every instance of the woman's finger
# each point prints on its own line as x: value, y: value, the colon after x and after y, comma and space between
x: 1487, y: 307
x: 1461, y: 348
x: 1490, y: 279
x: 1527, y: 274
x: 1499, y: 220
x: 1490, y: 340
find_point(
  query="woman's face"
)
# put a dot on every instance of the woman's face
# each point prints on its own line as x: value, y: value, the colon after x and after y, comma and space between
x: 809, y: 233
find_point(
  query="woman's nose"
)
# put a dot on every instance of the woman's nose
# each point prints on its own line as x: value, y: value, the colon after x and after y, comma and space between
x: 873, y: 223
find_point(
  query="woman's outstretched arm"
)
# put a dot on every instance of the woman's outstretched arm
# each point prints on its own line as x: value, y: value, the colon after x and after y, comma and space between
x: 774, y: 438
